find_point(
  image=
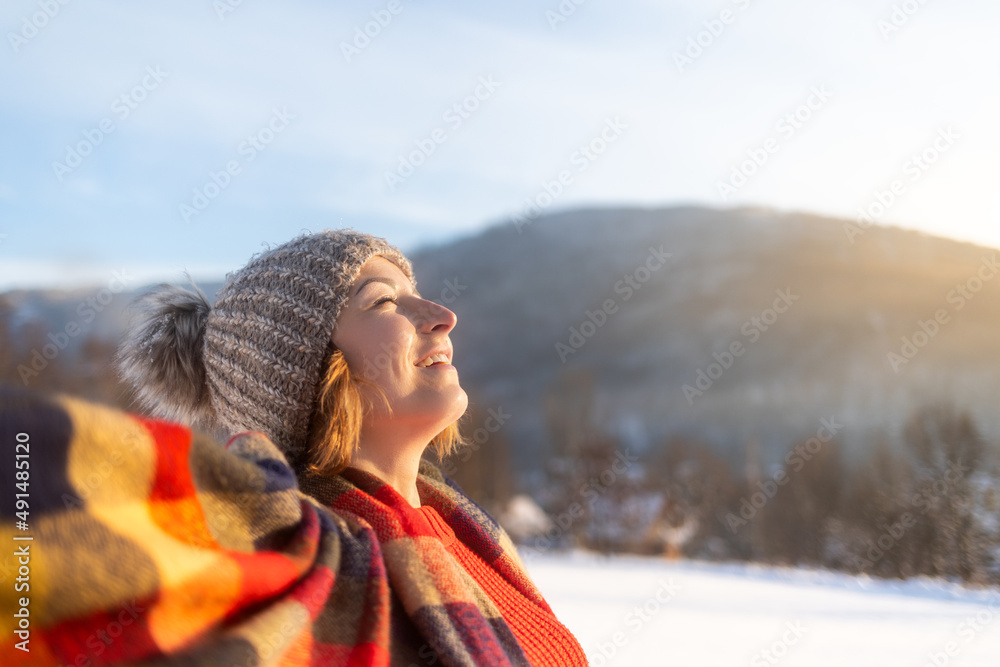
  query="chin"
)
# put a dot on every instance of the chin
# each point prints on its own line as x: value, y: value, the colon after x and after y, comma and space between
x: 459, y: 405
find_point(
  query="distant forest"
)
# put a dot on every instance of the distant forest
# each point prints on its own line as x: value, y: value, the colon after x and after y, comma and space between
x: 930, y: 508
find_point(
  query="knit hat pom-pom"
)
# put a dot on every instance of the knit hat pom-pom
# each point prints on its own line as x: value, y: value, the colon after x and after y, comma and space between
x: 161, y: 354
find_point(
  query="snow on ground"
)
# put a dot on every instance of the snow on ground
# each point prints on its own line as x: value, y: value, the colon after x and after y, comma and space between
x: 633, y: 611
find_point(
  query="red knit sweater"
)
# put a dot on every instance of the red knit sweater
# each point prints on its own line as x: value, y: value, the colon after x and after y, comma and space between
x: 546, y: 641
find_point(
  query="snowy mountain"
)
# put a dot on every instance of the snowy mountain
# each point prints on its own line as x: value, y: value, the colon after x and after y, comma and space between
x: 723, y: 326
x: 757, y: 326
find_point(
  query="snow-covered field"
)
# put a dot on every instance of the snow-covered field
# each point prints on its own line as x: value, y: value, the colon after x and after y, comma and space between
x: 632, y: 611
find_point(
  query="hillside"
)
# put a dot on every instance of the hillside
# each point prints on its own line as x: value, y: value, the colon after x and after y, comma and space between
x: 655, y: 324
x: 826, y: 356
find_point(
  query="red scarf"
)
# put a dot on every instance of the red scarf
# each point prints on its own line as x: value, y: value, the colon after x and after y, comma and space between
x: 150, y: 542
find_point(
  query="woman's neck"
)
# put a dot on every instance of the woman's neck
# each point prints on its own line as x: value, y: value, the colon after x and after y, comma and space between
x: 396, y: 468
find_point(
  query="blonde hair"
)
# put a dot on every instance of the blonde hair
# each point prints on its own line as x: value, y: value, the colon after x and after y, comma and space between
x: 335, y: 424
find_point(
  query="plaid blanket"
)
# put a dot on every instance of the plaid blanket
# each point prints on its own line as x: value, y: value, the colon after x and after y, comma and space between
x: 141, y: 541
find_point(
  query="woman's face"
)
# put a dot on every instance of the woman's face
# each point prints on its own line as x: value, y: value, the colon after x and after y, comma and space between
x: 384, y: 330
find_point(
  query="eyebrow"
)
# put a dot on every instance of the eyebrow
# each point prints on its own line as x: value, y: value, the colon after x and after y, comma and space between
x: 379, y: 279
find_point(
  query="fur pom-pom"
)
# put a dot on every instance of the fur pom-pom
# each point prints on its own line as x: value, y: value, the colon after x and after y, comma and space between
x: 160, y: 355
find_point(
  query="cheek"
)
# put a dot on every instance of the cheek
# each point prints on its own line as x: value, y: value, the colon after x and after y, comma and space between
x: 360, y: 356
x: 379, y: 354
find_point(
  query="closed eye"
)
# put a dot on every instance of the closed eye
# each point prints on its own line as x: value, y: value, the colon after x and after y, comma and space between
x: 384, y: 299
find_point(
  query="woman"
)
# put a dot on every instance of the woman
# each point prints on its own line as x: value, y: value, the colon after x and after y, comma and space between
x: 321, y: 354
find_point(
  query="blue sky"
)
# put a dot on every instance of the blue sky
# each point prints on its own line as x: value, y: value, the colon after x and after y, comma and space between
x: 164, y: 97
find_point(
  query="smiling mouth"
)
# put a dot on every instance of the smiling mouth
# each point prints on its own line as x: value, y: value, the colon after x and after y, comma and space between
x: 436, y: 359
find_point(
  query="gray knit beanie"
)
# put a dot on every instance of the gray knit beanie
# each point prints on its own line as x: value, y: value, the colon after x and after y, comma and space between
x: 252, y: 361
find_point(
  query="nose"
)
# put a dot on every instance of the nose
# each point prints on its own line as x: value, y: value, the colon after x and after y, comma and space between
x: 431, y: 317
